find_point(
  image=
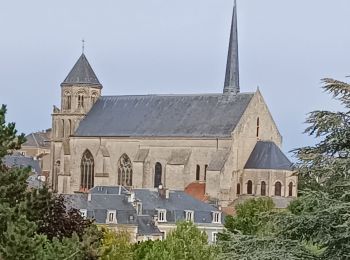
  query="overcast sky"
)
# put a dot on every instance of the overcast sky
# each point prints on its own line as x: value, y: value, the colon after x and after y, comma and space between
x: 174, y: 46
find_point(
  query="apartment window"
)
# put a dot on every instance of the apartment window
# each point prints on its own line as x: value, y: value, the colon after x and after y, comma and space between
x: 161, y: 215
x: 111, y: 216
x: 216, y: 217
x: 83, y: 213
x: 214, y: 237
x: 189, y: 215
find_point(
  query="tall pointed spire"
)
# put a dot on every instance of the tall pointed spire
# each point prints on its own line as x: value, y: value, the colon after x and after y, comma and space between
x: 232, y: 68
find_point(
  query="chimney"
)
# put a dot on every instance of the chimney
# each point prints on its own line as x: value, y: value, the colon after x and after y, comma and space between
x: 161, y: 191
x: 167, y: 193
x: 131, y: 197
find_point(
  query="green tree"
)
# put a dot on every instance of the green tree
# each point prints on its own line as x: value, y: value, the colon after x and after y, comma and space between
x: 251, y: 216
x: 327, y: 163
x: 185, y: 242
x: 115, y: 245
x: 9, y: 140
x: 141, y: 250
x: 37, y: 224
x: 52, y: 216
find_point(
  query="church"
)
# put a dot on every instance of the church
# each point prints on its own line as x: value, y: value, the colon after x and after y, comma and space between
x: 225, y: 146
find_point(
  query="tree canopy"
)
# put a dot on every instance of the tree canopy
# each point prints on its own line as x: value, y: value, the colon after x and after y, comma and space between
x: 36, y: 224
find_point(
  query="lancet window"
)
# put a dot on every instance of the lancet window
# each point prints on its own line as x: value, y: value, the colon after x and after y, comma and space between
x: 125, y: 171
x: 87, y: 168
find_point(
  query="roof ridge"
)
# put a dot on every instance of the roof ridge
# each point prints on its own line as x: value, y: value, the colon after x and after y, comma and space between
x: 176, y: 95
x: 35, y: 139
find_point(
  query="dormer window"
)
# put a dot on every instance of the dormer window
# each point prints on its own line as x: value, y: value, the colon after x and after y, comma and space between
x: 161, y: 215
x: 189, y: 215
x: 83, y: 213
x: 111, y: 216
x: 217, y: 217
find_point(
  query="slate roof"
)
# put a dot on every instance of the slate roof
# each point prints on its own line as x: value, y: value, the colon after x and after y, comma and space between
x: 82, y: 73
x: 147, y: 226
x: 175, y: 205
x: 20, y: 161
x: 104, y: 198
x: 218, y: 160
x: 207, y: 115
x: 99, y: 204
x: 232, y: 68
x: 36, y: 181
x: 179, y: 157
x: 267, y: 155
x: 38, y: 139
x: 141, y: 155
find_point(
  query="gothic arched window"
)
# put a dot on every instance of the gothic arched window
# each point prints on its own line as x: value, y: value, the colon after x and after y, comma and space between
x: 290, y: 189
x: 125, y: 171
x: 80, y: 100
x: 263, y: 188
x: 63, y: 129
x: 69, y: 127
x: 278, y: 189
x: 198, y: 172
x: 93, y: 98
x: 68, y: 100
x: 205, y: 172
x: 238, y: 191
x: 257, y: 127
x: 57, y: 171
x: 87, y: 169
x: 249, y: 187
x: 157, y: 175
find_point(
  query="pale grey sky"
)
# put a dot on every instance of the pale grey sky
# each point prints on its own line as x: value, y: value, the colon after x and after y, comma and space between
x: 174, y: 46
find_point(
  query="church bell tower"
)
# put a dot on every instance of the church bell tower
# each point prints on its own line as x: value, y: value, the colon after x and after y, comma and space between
x: 79, y: 92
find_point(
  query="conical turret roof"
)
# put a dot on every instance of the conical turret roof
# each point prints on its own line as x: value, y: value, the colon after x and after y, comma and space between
x: 82, y: 73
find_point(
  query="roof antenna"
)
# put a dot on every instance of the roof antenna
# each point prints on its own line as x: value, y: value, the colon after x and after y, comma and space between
x: 82, y: 45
